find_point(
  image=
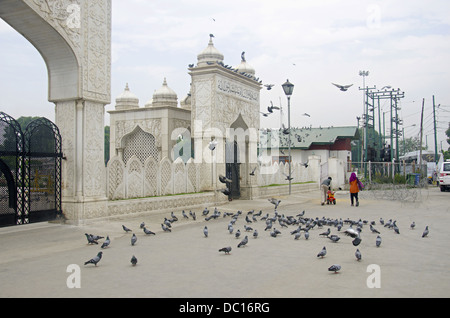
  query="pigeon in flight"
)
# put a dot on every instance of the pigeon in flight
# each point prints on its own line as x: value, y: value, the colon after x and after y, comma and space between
x: 343, y: 88
x: 269, y: 86
x: 322, y: 253
x: 106, y: 242
x: 134, y: 260
x: 356, y: 241
x: 133, y: 239
x: 205, y: 231
x: 275, y: 202
x: 95, y: 260
x: 225, y: 191
x: 253, y: 171
x: 334, y: 268
x: 265, y: 114
x: 212, y: 145
x: 425, y: 232
x: 227, y: 250
x: 126, y: 229
x: 272, y: 107
x: 306, y: 114
x: 224, y: 179
x: 243, y: 242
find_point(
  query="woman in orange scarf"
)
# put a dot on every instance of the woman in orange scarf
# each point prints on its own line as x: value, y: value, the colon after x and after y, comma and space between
x: 354, y: 188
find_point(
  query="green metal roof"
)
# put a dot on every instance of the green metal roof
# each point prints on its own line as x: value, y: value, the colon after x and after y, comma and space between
x: 304, y: 138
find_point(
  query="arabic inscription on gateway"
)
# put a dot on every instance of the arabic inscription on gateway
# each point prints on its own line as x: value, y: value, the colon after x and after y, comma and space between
x: 237, y: 90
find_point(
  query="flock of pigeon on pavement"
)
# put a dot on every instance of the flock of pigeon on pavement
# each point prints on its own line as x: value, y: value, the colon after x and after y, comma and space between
x: 300, y: 221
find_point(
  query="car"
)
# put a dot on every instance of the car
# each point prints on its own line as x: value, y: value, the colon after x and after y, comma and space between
x: 444, y: 176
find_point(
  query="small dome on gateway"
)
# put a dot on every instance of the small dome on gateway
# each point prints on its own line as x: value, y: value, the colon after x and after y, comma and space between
x: 127, y: 100
x: 165, y: 96
x: 210, y: 54
x: 244, y: 67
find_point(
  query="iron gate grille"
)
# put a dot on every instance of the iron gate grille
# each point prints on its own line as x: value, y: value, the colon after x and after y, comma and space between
x: 30, y: 165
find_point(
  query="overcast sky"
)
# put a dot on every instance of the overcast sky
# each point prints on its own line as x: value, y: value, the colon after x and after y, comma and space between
x: 404, y: 44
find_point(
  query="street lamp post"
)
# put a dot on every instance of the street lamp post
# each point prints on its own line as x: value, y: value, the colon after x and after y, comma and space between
x: 288, y: 90
x: 365, y: 116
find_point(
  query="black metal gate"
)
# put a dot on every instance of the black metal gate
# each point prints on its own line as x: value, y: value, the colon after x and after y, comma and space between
x: 30, y: 166
x: 233, y: 169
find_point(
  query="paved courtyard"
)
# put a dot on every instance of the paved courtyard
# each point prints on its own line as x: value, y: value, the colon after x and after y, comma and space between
x: 183, y: 263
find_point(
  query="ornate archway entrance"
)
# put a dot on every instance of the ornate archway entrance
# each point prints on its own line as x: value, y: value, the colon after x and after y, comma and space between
x: 74, y: 39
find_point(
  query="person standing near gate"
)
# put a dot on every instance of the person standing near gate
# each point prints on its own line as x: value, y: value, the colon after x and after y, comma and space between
x: 326, y: 184
x: 354, y: 188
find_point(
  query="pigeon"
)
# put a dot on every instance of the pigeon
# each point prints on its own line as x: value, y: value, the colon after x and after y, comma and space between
x: 205, y: 231
x: 326, y: 233
x: 248, y: 228
x: 165, y: 228
x: 142, y: 225
x: 343, y: 88
x: 269, y: 86
x: 95, y: 260
x: 255, y: 234
x: 184, y: 215
x: 134, y: 260
x: 106, y: 243
x: 351, y: 232
x: 297, y: 235
x: 225, y: 191
x: 413, y: 225
x: 334, y: 268
x: 224, y: 179
x: 356, y: 241
x: 227, y: 250
x: 243, y: 242
x: 253, y: 171
x: 238, y: 233
x: 265, y: 114
x: 90, y: 239
x: 212, y: 145
x: 358, y: 255
x: 192, y: 214
x: 322, y: 253
x: 275, y: 202
x: 425, y: 232
x: 133, y: 239
x: 378, y: 241
x: 147, y: 231
x: 306, y: 235
x: 96, y: 237
x: 126, y: 229
x: 374, y: 230
x: 334, y: 238
x: 273, y: 234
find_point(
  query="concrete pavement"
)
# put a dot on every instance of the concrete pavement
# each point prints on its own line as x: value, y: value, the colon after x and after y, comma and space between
x: 34, y: 259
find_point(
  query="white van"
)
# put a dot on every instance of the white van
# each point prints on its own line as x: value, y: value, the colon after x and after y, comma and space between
x: 444, y: 176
